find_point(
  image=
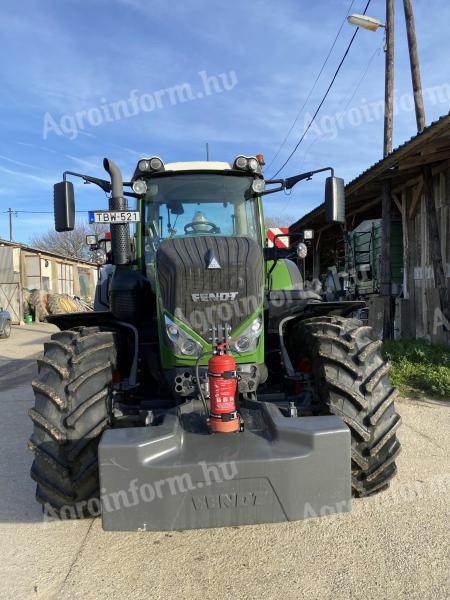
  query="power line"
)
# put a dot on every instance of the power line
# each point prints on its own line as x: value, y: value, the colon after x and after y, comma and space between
x: 323, y: 98
x: 313, y: 87
x: 363, y: 76
x: 357, y: 86
x: 37, y: 212
x: 30, y: 212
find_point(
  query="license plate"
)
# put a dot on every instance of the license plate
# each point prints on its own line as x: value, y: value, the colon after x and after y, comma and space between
x: 114, y: 216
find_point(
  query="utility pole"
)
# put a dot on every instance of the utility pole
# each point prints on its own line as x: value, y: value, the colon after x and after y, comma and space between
x: 385, y: 284
x: 389, y: 79
x: 10, y: 225
x: 415, y: 67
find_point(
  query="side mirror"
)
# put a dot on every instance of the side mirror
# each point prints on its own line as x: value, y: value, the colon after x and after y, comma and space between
x: 92, y: 240
x: 176, y: 207
x: 334, y: 200
x: 64, y: 206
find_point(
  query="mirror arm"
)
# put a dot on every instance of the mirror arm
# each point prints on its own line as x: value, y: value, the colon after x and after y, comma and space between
x: 102, y: 183
x: 291, y: 181
x: 287, y: 184
x: 280, y: 188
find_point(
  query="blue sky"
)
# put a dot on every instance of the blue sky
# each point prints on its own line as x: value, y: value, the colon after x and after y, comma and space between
x: 68, y: 63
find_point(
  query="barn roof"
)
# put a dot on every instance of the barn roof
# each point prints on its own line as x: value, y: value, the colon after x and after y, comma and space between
x: 429, y: 146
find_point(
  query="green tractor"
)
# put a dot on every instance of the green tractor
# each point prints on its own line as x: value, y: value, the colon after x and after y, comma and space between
x: 213, y: 390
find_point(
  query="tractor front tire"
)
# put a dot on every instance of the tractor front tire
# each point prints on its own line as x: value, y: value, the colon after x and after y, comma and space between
x: 352, y: 382
x: 72, y: 409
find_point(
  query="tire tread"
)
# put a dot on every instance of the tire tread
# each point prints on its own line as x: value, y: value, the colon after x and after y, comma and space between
x: 353, y: 384
x: 72, y: 403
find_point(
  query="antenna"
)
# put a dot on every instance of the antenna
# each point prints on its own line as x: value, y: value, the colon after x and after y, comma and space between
x: 207, y: 151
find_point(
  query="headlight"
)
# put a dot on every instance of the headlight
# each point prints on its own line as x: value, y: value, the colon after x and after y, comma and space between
x: 145, y: 165
x: 181, y: 342
x: 247, y: 163
x: 258, y: 185
x: 92, y: 240
x: 100, y: 256
x: 248, y: 339
x: 302, y: 250
x: 253, y: 164
x: 156, y: 164
x: 139, y: 186
x: 240, y: 162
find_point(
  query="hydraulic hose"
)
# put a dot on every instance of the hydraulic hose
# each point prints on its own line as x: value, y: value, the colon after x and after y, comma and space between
x: 199, y: 386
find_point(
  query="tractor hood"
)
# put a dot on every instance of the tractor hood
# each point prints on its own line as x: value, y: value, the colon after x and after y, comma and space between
x: 210, y: 281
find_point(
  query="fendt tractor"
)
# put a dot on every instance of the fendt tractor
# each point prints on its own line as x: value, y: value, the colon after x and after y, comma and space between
x: 214, y: 390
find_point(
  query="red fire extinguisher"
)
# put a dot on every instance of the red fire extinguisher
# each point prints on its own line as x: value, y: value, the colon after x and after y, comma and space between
x: 222, y: 391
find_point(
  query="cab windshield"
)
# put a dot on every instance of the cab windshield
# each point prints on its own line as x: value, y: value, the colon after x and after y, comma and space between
x: 198, y: 204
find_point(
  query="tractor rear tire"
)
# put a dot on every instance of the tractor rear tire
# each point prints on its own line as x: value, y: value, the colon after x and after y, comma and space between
x: 352, y: 382
x: 38, y: 306
x: 72, y: 409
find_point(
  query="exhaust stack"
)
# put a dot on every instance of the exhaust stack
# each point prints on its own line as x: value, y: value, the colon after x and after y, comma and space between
x: 120, y: 232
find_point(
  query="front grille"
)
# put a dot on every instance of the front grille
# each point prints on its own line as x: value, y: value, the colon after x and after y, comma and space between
x: 182, y: 269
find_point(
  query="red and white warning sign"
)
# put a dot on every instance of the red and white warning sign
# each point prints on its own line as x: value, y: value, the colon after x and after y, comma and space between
x: 279, y: 242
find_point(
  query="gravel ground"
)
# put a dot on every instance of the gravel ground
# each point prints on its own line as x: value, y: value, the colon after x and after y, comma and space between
x: 393, y: 545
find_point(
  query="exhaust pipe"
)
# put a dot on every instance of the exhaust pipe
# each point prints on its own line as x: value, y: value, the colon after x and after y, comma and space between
x: 120, y: 232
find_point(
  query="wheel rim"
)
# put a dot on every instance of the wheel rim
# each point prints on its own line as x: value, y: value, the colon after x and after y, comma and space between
x: 7, y: 329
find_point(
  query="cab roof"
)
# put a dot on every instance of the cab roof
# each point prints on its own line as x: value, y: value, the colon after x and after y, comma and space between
x: 198, y: 165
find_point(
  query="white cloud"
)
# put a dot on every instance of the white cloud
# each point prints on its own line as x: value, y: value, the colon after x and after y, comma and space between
x: 20, y: 176
x: 90, y: 162
x: 17, y: 162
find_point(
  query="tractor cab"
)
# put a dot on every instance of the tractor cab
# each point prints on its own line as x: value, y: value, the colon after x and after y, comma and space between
x: 187, y: 201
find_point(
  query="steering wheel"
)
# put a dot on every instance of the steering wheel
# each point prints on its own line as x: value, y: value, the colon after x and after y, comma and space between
x: 191, y: 227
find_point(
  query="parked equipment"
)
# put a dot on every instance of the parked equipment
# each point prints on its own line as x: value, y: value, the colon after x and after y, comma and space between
x: 358, y: 276
x: 213, y: 390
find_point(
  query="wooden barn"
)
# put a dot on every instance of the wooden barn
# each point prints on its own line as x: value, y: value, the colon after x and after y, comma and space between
x: 418, y: 174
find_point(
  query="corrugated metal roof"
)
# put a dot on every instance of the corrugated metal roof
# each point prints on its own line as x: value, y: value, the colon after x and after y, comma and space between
x: 385, y: 161
x: 426, y: 131
x: 46, y: 252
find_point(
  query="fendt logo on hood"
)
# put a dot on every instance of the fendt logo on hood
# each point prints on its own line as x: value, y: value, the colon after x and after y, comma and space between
x: 215, y: 297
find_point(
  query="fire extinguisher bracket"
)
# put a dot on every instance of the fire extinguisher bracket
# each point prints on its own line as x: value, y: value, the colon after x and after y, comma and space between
x: 222, y: 377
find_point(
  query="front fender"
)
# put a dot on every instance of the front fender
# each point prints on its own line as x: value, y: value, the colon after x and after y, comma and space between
x: 304, y: 305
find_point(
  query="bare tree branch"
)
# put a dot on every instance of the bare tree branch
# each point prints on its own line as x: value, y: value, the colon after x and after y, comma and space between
x: 69, y: 243
x: 275, y: 221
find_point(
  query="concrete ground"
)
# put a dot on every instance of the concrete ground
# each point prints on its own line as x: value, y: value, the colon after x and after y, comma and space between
x: 393, y: 545
x: 18, y: 353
